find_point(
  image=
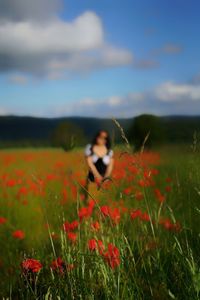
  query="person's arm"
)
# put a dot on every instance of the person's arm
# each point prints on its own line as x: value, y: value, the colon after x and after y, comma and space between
x: 109, y: 168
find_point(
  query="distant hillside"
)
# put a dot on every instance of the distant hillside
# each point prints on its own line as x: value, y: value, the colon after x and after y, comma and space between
x: 16, y: 130
x: 38, y: 130
x: 181, y: 128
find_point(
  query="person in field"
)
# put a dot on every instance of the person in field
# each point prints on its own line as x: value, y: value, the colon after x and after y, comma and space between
x: 99, y: 158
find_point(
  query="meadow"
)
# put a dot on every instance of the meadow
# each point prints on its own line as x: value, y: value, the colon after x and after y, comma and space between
x: 136, y: 237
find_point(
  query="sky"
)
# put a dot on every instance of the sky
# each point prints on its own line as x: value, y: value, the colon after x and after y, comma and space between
x: 99, y: 58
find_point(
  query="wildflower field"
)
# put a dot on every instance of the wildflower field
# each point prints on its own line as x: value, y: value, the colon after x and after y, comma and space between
x: 136, y: 237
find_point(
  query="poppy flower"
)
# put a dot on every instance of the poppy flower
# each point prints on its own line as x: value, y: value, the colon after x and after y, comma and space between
x: 139, y: 195
x: 95, y: 226
x: 58, y: 264
x: 2, y: 220
x: 85, y: 212
x: 112, y: 256
x: 115, y: 215
x: 92, y: 245
x: 31, y: 265
x: 70, y: 226
x: 168, y: 188
x: 18, y: 234
x: 159, y: 195
x: 105, y: 210
x: 168, y: 179
x: 136, y: 213
x: 100, y: 246
x: 72, y: 236
x: 11, y: 182
x: 167, y: 224
x: 127, y: 190
x: 145, y: 217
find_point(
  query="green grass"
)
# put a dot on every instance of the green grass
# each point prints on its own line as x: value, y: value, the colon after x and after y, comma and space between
x: 155, y: 263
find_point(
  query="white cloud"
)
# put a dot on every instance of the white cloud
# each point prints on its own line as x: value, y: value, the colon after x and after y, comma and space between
x: 39, y: 10
x: 166, y: 99
x: 57, y: 36
x: 114, y: 100
x: 106, y: 56
x: 170, y: 91
x: 54, y: 47
x: 124, y: 106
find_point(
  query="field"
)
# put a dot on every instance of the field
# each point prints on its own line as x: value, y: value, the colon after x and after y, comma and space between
x: 137, y: 237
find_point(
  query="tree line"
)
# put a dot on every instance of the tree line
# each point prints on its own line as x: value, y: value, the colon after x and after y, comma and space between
x: 147, y: 130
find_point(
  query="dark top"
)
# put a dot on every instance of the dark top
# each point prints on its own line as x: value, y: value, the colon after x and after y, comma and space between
x: 100, y: 163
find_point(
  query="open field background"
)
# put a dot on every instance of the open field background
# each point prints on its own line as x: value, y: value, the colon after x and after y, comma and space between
x: 135, y: 238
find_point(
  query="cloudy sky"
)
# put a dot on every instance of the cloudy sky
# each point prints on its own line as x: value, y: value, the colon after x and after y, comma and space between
x: 99, y: 58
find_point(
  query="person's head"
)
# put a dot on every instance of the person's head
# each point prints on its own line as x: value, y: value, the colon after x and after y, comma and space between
x: 102, y: 138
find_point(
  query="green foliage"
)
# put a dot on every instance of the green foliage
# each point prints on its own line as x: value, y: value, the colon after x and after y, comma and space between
x: 67, y: 135
x: 30, y: 131
x: 146, y: 129
x: 156, y: 263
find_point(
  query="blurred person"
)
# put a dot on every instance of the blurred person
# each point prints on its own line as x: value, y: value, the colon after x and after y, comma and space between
x: 99, y: 159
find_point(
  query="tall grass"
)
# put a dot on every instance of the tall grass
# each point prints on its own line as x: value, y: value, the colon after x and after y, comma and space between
x: 155, y: 232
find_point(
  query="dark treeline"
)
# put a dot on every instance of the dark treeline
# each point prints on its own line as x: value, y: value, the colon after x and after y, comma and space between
x: 20, y: 131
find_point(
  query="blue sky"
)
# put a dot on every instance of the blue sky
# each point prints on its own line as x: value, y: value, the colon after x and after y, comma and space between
x: 99, y: 58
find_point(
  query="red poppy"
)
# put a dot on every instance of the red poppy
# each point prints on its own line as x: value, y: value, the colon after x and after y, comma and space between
x: 145, y: 217
x: 154, y: 171
x: 159, y: 195
x: 86, y: 211
x: 167, y: 224
x: 168, y: 188
x: 115, y: 215
x: 58, y: 264
x: 92, y: 245
x: 18, y: 234
x: 127, y: 190
x: 72, y: 236
x: 83, y: 213
x: 100, y: 246
x: 51, y: 177
x: 105, y: 210
x: 95, y: 226
x: 31, y: 265
x: 136, y: 213
x: 64, y: 197
x: 112, y: 256
x: 2, y: 220
x: 91, y: 205
x: 139, y: 195
x: 70, y: 226
x: 11, y: 182
x: 23, y: 191
x: 168, y: 179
